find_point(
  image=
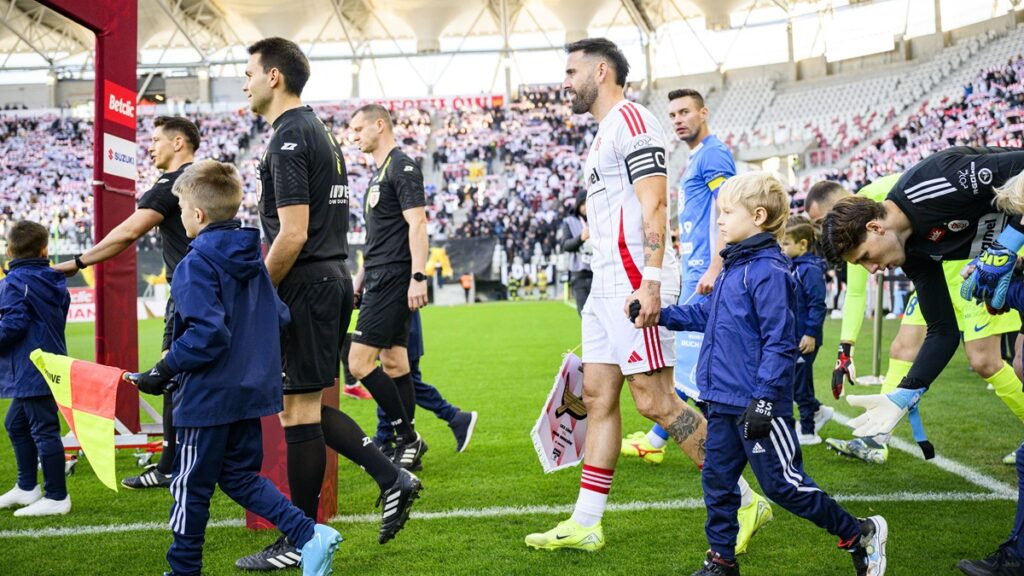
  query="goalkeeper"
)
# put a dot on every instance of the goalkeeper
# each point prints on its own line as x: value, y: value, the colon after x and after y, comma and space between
x: 939, y: 210
x: 981, y: 330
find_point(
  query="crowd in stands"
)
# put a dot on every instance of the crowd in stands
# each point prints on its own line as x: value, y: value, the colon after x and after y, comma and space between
x: 990, y: 112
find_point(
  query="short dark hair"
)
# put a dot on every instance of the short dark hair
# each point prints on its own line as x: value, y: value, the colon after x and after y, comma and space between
x: 606, y: 49
x: 375, y: 112
x: 686, y: 93
x: 802, y: 230
x: 27, y: 239
x: 182, y: 126
x: 845, y: 226
x: 286, y: 56
x: 822, y: 191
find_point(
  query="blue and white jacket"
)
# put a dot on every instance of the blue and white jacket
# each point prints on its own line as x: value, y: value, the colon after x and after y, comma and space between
x: 749, y: 324
x: 226, y: 350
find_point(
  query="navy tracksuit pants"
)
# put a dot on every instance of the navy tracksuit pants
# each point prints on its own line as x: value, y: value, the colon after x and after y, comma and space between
x: 803, y: 391
x: 34, y: 429
x: 427, y: 397
x: 1016, y: 539
x: 778, y: 465
x: 230, y: 456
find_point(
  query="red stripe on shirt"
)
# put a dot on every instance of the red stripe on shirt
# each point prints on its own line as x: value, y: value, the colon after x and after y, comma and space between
x: 629, y: 121
x: 627, y: 259
x: 638, y: 117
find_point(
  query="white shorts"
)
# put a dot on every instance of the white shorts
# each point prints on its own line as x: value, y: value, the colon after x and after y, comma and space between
x: 609, y: 338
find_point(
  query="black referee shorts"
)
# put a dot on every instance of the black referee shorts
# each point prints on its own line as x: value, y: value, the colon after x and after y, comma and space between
x: 168, y: 325
x: 384, y: 310
x: 319, y: 297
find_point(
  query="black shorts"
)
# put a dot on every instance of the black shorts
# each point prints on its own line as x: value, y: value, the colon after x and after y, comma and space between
x: 168, y: 325
x: 384, y: 310
x: 319, y: 297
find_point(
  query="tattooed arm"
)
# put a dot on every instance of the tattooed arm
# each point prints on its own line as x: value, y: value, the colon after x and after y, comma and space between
x: 653, y: 195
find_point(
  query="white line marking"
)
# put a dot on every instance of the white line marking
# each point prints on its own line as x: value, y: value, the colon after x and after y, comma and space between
x: 506, y: 511
x: 953, y: 467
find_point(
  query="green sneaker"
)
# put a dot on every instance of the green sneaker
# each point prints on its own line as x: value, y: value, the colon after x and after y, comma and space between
x: 636, y: 445
x: 751, y: 518
x: 568, y: 535
x: 1010, y: 459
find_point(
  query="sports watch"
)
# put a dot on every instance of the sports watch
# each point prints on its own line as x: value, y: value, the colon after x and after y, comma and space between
x: 419, y: 277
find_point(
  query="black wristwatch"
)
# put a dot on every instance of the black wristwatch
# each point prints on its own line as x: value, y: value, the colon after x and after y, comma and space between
x: 419, y: 277
x: 78, y: 262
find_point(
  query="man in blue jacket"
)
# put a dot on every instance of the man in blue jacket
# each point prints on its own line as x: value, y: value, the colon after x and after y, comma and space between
x: 751, y: 314
x: 34, y: 303
x: 226, y: 374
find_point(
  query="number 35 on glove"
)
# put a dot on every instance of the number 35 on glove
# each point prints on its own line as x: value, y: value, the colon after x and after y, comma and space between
x: 990, y: 279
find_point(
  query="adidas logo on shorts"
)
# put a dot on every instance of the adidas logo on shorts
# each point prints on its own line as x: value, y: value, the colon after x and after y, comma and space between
x: 757, y: 448
x: 634, y: 358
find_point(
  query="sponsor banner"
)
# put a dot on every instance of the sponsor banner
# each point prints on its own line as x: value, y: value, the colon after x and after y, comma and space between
x: 83, y: 306
x: 119, y: 157
x: 559, y: 432
x: 119, y: 103
x: 446, y: 103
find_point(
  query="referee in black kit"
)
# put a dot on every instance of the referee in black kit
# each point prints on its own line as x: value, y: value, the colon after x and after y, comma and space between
x: 303, y: 205
x: 391, y: 285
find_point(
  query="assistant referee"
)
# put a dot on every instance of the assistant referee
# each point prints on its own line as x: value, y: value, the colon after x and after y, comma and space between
x: 391, y: 284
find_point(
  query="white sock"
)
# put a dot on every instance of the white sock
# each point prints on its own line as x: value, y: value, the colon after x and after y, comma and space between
x: 655, y: 440
x: 746, y: 494
x: 594, y: 486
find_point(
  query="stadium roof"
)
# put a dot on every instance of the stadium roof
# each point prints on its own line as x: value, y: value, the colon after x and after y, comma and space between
x: 214, y: 30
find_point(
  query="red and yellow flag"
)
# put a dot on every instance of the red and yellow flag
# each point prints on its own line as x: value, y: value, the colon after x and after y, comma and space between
x: 86, y: 394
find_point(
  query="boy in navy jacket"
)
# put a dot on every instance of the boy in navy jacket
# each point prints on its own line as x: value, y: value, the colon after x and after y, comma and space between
x: 225, y: 365
x: 808, y: 271
x: 752, y: 315
x: 34, y: 303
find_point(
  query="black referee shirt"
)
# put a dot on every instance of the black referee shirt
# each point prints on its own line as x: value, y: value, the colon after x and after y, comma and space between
x: 172, y: 231
x: 396, y: 186
x: 303, y: 165
x: 948, y: 199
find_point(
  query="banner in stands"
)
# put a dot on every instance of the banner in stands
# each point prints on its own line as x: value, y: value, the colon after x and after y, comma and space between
x: 444, y: 103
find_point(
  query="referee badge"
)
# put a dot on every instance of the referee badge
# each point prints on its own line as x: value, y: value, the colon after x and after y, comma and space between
x: 374, y: 196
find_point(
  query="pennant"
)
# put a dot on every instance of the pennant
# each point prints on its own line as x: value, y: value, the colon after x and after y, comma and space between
x: 562, y: 426
x: 86, y: 394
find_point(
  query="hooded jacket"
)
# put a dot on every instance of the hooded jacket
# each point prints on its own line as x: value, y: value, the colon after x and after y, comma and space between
x: 226, y: 350
x: 34, y: 304
x: 749, y: 325
x: 809, y: 276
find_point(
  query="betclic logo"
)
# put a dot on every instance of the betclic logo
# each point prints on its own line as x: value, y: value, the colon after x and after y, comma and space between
x: 119, y: 103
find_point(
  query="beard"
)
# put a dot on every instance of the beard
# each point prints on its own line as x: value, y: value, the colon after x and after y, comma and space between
x: 586, y: 95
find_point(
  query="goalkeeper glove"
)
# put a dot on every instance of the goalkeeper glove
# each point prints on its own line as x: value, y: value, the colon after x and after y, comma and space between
x: 156, y: 381
x: 991, y: 277
x: 844, y: 368
x: 757, y: 419
x: 883, y: 411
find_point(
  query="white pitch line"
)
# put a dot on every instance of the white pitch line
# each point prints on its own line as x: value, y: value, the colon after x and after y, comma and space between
x: 501, y: 512
x: 953, y: 467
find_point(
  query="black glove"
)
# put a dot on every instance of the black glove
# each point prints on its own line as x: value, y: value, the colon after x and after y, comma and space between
x: 634, y: 311
x: 757, y: 419
x: 156, y: 380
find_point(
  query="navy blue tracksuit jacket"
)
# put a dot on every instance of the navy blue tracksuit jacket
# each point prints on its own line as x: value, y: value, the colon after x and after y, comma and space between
x: 749, y: 352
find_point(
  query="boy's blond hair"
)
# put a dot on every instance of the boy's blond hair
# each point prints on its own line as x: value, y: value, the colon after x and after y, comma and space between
x: 213, y: 186
x: 759, y: 190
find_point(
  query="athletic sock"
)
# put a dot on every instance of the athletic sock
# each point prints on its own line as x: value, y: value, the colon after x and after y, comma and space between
x: 1007, y: 387
x: 307, y: 460
x: 345, y: 437
x: 657, y: 437
x: 385, y: 392
x: 594, y: 486
x: 166, y: 463
x: 746, y: 494
x: 407, y: 392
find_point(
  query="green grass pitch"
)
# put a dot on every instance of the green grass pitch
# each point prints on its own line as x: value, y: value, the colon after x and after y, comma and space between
x: 500, y: 359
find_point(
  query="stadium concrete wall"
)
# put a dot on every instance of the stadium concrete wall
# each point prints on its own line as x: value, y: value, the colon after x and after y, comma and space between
x: 29, y: 95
